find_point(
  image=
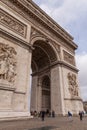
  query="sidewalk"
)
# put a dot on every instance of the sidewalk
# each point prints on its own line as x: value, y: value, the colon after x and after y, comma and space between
x: 57, y: 123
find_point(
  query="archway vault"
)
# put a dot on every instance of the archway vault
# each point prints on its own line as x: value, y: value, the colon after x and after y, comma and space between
x: 43, y: 55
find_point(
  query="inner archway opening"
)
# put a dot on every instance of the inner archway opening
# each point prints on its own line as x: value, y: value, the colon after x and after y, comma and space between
x: 43, y: 57
x: 46, y: 99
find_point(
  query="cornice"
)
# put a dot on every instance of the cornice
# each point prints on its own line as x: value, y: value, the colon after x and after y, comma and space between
x: 48, y: 19
x: 33, y: 10
x: 74, y: 98
x: 57, y: 63
x: 64, y: 64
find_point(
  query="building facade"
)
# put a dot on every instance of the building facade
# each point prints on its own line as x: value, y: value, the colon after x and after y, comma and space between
x: 85, y: 106
x: 31, y: 40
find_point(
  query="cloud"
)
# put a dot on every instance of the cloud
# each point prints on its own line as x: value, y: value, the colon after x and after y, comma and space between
x: 64, y: 11
x: 81, y: 61
x: 49, y: 3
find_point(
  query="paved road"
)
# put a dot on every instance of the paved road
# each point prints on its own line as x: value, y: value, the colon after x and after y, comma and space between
x: 57, y: 123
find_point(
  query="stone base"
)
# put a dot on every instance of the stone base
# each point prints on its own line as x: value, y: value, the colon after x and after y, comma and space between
x: 14, y: 116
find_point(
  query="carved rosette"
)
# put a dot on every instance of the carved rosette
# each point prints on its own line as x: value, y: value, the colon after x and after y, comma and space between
x: 8, y: 63
x: 73, y: 86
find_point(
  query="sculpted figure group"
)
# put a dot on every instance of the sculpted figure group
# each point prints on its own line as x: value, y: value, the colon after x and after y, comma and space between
x: 7, y: 62
x: 73, y: 86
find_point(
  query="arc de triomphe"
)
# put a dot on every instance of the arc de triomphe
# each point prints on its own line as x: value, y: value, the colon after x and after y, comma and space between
x: 30, y: 39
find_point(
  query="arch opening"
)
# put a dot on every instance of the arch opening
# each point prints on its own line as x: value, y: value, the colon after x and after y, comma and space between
x: 43, y: 56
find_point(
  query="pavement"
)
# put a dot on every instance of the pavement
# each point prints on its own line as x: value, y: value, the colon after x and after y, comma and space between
x: 57, y: 123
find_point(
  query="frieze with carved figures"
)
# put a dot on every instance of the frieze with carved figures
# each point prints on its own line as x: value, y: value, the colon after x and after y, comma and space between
x: 12, y: 23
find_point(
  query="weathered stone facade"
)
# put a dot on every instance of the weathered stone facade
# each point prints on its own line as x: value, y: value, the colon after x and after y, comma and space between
x: 30, y: 39
x: 85, y: 106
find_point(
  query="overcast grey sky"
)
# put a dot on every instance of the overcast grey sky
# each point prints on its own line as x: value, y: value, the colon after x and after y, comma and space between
x: 72, y: 16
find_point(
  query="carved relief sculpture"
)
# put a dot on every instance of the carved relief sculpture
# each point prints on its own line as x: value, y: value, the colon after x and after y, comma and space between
x: 7, y: 63
x: 73, y: 86
x: 12, y: 23
x: 69, y: 58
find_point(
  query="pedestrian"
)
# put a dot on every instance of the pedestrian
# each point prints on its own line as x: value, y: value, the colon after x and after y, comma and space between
x: 70, y: 116
x: 42, y: 115
x: 53, y: 113
x: 80, y: 115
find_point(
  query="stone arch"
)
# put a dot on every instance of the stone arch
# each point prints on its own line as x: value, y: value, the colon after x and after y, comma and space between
x: 46, y: 81
x: 46, y: 40
x: 25, y: 26
x: 43, y: 57
x: 48, y: 50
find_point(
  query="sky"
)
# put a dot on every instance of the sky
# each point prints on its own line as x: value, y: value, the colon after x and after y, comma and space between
x: 72, y: 16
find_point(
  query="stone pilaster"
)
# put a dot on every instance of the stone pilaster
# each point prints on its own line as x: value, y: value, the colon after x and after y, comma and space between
x: 56, y: 91
x: 34, y: 93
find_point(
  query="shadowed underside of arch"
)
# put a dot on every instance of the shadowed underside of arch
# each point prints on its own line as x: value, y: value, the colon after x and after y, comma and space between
x: 42, y: 56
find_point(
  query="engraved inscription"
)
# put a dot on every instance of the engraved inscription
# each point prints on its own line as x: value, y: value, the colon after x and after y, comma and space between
x: 7, y: 63
x: 69, y: 58
x: 12, y: 23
